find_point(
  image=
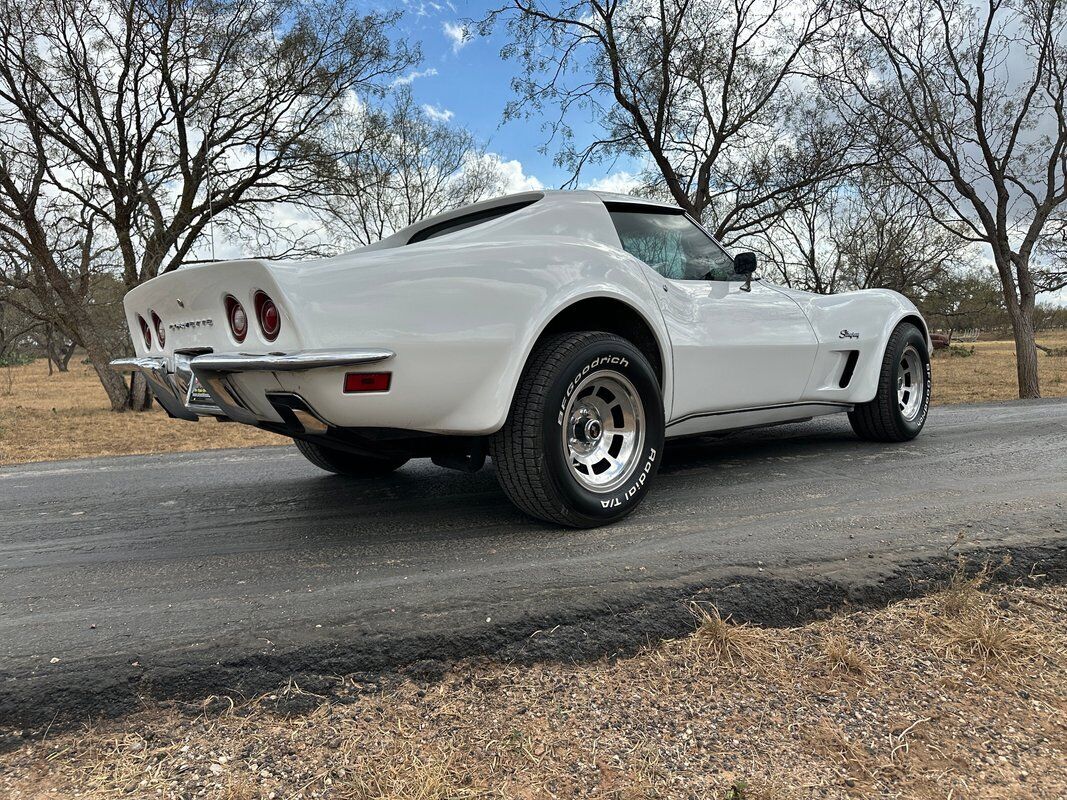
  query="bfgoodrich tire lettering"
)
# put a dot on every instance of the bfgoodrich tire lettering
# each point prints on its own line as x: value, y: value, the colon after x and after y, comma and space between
x: 894, y: 415
x: 534, y: 465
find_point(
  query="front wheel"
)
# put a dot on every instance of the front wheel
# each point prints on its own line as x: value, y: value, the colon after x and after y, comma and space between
x: 584, y: 436
x: 344, y: 463
x: 898, y: 411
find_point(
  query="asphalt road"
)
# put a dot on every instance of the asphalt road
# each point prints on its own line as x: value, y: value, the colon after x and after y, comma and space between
x: 180, y: 575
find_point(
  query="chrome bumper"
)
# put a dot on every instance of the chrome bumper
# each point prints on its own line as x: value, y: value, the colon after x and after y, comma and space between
x: 287, y: 362
x: 163, y: 382
x: 172, y: 379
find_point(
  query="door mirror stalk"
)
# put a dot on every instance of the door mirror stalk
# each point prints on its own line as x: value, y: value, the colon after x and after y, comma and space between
x: 745, y: 264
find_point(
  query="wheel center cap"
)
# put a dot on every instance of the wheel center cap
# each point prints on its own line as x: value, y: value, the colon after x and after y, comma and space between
x: 593, y: 429
x: 586, y: 429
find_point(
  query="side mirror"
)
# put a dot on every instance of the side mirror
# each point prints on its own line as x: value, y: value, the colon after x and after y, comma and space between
x: 745, y: 264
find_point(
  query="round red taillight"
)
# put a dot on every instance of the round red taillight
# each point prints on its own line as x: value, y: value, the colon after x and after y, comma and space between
x: 237, y: 317
x: 146, y: 332
x: 270, y: 321
x: 161, y: 333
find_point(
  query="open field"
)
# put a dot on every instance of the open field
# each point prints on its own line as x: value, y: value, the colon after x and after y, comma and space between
x: 960, y: 695
x: 989, y: 374
x: 65, y: 416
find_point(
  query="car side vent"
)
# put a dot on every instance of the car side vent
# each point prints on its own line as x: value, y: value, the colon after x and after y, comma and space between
x: 850, y: 367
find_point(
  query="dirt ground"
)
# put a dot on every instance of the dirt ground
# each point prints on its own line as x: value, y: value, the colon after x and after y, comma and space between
x: 66, y: 415
x: 956, y: 696
x: 989, y: 373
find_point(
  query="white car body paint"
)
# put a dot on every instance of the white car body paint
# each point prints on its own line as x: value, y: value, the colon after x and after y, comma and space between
x: 462, y: 312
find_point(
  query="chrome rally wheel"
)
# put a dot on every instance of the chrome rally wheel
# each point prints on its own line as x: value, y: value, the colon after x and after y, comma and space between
x: 604, y: 431
x: 911, y: 383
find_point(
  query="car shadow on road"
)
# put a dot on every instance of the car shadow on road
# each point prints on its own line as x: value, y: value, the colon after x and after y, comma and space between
x: 425, y: 500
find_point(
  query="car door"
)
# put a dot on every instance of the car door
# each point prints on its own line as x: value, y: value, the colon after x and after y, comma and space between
x: 734, y: 346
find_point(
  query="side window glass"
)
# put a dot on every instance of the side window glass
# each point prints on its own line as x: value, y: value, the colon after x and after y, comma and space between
x: 671, y: 244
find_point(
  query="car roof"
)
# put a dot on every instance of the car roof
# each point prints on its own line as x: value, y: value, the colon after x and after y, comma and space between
x: 615, y: 197
x: 551, y: 196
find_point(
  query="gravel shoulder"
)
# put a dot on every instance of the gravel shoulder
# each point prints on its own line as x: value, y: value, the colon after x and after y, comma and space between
x: 960, y: 694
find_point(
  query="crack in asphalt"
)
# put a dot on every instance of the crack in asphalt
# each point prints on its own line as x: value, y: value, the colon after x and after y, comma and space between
x: 184, y: 575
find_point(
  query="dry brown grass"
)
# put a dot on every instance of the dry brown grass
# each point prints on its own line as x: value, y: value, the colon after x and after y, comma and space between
x: 67, y: 415
x: 64, y: 416
x: 989, y: 374
x: 717, y: 640
x: 845, y: 656
x: 911, y: 701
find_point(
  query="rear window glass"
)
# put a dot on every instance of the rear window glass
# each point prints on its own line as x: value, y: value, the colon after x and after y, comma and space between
x: 467, y: 221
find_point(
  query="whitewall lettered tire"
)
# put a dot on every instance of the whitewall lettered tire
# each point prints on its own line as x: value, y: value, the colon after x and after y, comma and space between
x: 584, y: 436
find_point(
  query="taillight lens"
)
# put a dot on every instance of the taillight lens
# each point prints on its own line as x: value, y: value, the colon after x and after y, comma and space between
x: 356, y: 382
x: 161, y: 333
x: 237, y: 318
x: 270, y: 321
x: 146, y: 332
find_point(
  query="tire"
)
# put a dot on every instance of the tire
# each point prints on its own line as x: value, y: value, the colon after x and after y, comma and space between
x: 895, y: 414
x: 602, y: 391
x: 344, y: 463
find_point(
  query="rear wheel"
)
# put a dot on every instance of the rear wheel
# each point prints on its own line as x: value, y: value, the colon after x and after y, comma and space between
x: 350, y: 464
x: 898, y: 411
x: 584, y: 436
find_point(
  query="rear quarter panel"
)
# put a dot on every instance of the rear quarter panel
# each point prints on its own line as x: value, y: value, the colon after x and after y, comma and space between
x: 461, y: 318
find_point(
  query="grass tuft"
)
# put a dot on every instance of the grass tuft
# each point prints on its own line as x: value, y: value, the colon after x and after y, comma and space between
x: 844, y: 656
x: 720, y: 641
x: 986, y: 635
x: 964, y: 594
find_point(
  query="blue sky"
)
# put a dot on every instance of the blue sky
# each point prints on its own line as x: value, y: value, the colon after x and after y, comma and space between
x: 468, y: 82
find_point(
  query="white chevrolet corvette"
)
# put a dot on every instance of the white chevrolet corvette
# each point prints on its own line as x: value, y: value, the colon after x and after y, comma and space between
x: 565, y: 335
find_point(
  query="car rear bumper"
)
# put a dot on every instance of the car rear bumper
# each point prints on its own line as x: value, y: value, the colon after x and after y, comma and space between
x: 192, y: 385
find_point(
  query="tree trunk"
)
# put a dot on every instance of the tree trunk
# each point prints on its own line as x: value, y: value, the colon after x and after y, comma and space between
x: 140, y: 396
x: 65, y: 354
x: 1022, y: 323
x: 113, y: 382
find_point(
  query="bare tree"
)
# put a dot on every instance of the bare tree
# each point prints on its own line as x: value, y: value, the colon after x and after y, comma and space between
x: 968, y: 101
x: 800, y: 243
x: 964, y: 300
x: 139, y: 122
x: 402, y: 166
x: 1050, y: 258
x: 16, y: 328
x: 889, y: 239
x: 863, y: 232
x: 714, y: 94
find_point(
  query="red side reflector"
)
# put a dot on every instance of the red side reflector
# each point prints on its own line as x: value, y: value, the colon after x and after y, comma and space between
x: 367, y: 382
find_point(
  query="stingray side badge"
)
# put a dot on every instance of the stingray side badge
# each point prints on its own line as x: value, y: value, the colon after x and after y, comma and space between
x: 847, y: 334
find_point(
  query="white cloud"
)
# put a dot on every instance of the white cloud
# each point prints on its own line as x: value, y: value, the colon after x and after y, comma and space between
x: 437, y: 114
x: 414, y: 75
x: 513, y: 177
x: 456, y: 33
x: 621, y: 182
